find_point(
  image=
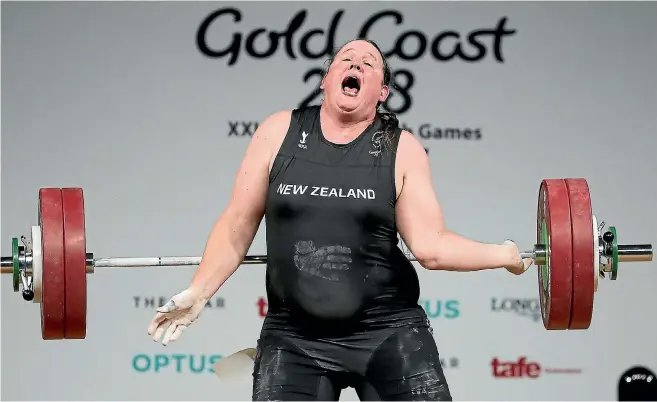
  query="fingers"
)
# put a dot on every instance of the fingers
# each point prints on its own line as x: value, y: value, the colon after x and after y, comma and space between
x: 159, y: 331
x: 170, y: 333
x: 522, y: 264
x: 173, y: 332
x: 157, y: 320
x: 522, y: 267
x: 337, y: 261
x: 344, y: 259
x: 178, y: 332
x: 334, y: 266
x: 159, y: 323
x: 337, y: 249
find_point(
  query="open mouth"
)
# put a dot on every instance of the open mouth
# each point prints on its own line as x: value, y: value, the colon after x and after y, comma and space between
x: 350, y: 85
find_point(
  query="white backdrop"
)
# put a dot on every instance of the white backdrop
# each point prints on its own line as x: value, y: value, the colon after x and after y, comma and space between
x: 119, y: 99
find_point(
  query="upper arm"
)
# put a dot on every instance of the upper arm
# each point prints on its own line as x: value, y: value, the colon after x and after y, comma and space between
x: 248, y: 197
x: 419, y: 216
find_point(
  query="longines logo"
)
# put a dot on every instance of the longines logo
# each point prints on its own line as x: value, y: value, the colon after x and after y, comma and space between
x: 153, y: 302
x: 529, y: 307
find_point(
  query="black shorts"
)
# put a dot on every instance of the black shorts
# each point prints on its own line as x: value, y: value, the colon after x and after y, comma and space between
x: 399, y: 364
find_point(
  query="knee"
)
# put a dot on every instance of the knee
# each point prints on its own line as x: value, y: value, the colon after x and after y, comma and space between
x: 426, y: 385
x: 419, y: 386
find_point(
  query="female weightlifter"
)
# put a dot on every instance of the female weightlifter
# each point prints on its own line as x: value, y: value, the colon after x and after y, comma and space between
x: 336, y: 183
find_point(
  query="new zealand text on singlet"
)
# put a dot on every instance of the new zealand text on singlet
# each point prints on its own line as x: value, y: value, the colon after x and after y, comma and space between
x: 318, y: 191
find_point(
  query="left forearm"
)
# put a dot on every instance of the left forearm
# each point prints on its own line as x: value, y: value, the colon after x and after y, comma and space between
x: 452, y: 252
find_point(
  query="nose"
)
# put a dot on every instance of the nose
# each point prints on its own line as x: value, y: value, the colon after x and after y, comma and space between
x: 356, y: 66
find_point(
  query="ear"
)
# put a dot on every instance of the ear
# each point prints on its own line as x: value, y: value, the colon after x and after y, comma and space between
x: 385, y: 91
x: 324, y: 74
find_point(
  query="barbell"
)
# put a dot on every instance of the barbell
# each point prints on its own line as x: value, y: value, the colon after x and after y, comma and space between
x: 571, y: 252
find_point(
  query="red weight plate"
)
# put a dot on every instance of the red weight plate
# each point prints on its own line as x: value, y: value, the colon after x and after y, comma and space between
x: 75, y: 256
x: 556, y: 291
x: 581, y: 217
x: 53, y: 308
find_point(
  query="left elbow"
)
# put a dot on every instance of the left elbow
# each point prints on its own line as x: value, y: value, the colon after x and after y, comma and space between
x: 428, y: 259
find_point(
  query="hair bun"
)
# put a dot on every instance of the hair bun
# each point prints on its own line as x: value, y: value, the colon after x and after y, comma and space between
x: 390, y: 118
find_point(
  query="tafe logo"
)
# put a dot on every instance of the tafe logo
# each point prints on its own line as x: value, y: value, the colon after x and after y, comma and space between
x: 523, y: 368
x: 262, y: 306
x: 518, y: 369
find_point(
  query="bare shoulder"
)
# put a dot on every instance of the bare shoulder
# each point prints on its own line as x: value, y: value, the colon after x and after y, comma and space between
x: 410, y: 153
x: 270, y: 133
x: 274, y: 127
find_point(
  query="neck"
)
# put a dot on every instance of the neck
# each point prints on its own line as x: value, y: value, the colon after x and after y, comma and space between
x: 345, y: 123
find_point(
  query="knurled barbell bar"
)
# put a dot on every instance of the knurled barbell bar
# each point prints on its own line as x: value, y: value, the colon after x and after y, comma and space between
x: 570, y: 251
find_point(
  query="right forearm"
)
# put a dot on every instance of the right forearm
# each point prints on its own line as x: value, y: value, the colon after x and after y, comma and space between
x: 224, y: 251
x: 452, y: 252
x: 234, y: 231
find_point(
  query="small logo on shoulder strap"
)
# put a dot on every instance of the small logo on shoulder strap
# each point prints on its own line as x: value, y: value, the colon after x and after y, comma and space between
x: 375, y: 148
x: 302, y: 141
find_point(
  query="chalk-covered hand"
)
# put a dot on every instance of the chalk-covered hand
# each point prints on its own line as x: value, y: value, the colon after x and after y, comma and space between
x: 175, y: 316
x: 517, y: 265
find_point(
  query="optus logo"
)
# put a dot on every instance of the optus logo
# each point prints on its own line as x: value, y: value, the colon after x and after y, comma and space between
x: 446, y: 309
x: 176, y: 363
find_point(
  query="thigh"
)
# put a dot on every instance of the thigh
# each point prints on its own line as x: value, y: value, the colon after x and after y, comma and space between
x: 405, y: 367
x: 284, y: 372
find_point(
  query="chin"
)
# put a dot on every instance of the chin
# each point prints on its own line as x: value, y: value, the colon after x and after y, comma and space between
x: 347, y: 104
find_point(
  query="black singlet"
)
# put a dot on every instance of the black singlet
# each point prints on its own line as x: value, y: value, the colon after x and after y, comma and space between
x: 343, y: 298
x: 333, y: 258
